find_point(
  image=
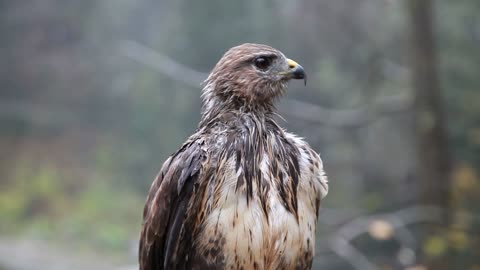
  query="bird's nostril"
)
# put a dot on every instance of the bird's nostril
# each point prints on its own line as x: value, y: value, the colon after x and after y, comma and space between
x: 291, y: 66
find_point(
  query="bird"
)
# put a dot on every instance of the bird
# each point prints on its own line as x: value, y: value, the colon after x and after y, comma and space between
x: 241, y: 192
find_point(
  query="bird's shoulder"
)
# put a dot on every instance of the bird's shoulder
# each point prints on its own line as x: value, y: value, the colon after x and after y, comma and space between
x: 310, y: 162
x: 170, y: 213
x: 182, y: 163
x: 168, y: 203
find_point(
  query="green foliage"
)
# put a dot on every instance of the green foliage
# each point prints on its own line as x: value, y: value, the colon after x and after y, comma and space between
x: 101, y: 215
x: 29, y: 195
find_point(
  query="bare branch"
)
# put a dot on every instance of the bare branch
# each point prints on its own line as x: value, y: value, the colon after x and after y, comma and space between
x: 339, y: 118
x: 161, y: 63
x: 340, y: 241
x: 344, y: 249
x: 345, y: 118
x: 398, y: 219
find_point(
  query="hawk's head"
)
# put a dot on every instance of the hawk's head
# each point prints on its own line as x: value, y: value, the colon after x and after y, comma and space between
x: 250, y: 75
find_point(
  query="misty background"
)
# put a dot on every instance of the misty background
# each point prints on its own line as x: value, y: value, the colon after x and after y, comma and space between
x: 96, y: 94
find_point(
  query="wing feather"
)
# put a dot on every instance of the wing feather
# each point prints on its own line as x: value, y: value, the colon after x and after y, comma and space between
x: 167, y: 207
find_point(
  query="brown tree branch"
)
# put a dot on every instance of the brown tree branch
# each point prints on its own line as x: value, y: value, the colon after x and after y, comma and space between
x: 337, y: 118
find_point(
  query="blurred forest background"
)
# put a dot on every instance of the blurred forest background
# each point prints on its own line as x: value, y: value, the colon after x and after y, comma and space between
x: 95, y: 94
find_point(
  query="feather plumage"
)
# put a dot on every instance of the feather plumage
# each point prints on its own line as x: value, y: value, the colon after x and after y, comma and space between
x: 241, y: 193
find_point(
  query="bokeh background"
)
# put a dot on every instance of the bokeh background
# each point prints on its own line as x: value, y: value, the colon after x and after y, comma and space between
x: 95, y: 94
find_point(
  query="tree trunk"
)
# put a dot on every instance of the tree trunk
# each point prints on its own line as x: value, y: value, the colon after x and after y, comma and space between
x: 434, y: 163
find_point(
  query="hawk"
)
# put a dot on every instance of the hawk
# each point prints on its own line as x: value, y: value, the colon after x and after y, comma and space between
x: 241, y: 192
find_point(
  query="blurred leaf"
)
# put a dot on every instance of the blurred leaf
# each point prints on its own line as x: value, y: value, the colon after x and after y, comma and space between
x: 464, y: 177
x: 381, y: 230
x: 458, y: 239
x: 435, y: 246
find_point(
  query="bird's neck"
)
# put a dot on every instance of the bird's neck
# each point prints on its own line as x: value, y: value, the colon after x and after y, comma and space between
x: 215, y: 106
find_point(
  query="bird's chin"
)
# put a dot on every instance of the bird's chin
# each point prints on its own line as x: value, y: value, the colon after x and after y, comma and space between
x: 279, y: 91
x: 282, y: 86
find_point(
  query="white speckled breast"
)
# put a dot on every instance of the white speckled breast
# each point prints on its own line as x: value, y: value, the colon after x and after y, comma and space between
x: 255, y: 240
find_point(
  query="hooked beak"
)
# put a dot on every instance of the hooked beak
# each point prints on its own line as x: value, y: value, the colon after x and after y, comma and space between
x: 296, y: 71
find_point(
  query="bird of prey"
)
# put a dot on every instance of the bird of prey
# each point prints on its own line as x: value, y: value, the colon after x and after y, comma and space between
x: 241, y: 192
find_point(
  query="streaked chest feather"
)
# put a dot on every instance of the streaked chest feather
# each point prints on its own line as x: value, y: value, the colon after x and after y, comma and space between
x: 265, y: 230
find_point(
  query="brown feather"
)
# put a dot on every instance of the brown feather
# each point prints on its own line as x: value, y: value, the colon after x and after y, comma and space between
x: 241, y: 193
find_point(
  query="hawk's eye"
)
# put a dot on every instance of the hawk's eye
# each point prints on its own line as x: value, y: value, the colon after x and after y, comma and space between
x: 262, y: 62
